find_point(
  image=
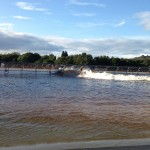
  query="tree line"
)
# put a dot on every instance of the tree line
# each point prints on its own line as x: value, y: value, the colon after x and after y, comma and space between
x: 78, y: 59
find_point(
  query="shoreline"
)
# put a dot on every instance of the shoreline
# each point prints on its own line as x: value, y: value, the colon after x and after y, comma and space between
x: 126, y: 144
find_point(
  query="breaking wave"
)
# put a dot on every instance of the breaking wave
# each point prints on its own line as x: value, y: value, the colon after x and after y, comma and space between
x: 87, y: 73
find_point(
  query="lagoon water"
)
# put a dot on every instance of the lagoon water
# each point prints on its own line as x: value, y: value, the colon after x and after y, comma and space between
x: 50, y: 109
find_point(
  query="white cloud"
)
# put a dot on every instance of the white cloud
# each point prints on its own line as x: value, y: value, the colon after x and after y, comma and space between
x: 120, y: 24
x: 118, y: 47
x: 80, y: 3
x: 145, y: 19
x: 22, y: 42
x: 29, y: 6
x: 89, y: 25
x: 21, y: 17
x: 85, y: 14
x: 6, y: 26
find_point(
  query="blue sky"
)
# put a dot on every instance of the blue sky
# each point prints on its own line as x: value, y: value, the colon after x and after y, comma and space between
x: 117, y: 28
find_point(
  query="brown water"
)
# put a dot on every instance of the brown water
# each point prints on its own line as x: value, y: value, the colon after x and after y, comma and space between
x: 47, y: 109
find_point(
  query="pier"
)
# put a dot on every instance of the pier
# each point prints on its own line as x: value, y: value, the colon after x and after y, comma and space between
x: 48, y: 69
x: 25, y: 68
x: 123, y: 69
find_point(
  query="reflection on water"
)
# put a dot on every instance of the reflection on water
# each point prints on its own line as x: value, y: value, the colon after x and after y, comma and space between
x: 58, y: 109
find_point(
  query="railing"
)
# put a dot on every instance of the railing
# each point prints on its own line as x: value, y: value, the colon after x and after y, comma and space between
x: 7, y: 67
x: 122, y: 69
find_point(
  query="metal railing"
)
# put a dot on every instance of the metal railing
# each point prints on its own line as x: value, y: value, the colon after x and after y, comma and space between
x: 7, y: 67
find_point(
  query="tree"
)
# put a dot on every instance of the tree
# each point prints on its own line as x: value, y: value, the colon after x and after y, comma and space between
x: 89, y: 59
x: 115, y: 61
x: 52, y: 58
x: 78, y: 59
x: 36, y: 57
x: 10, y: 57
x: 63, y: 59
x: 47, y: 59
x: 29, y: 57
x: 146, y: 62
x: 60, y: 60
x: 102, y: 60
x: 64, y: 54
x: 69, y: 60
x: 44, y: 59
x: 96, y: 61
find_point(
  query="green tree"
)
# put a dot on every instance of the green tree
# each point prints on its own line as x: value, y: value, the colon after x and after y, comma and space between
x: 52, y: 58
x: 60, y: 60
x: 115, y: 61
x: 83, y: 59
x: 29, y: 57
x: 69, y: 60
x: 36, y: 57
x: 146, y: 62
x: 10, y: 57
x: 47, y: 59
x: 64, y: 54
x: 102, y: 60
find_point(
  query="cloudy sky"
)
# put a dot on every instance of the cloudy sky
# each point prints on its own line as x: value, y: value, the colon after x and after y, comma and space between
x: 119, y: 28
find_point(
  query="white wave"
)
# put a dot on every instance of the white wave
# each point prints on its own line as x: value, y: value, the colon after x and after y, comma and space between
x: 87, y: 73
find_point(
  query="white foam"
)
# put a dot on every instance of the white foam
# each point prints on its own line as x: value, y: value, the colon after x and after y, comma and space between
x: 86, y: 73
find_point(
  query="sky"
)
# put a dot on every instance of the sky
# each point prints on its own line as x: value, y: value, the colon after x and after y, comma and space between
x: 119, y: 28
